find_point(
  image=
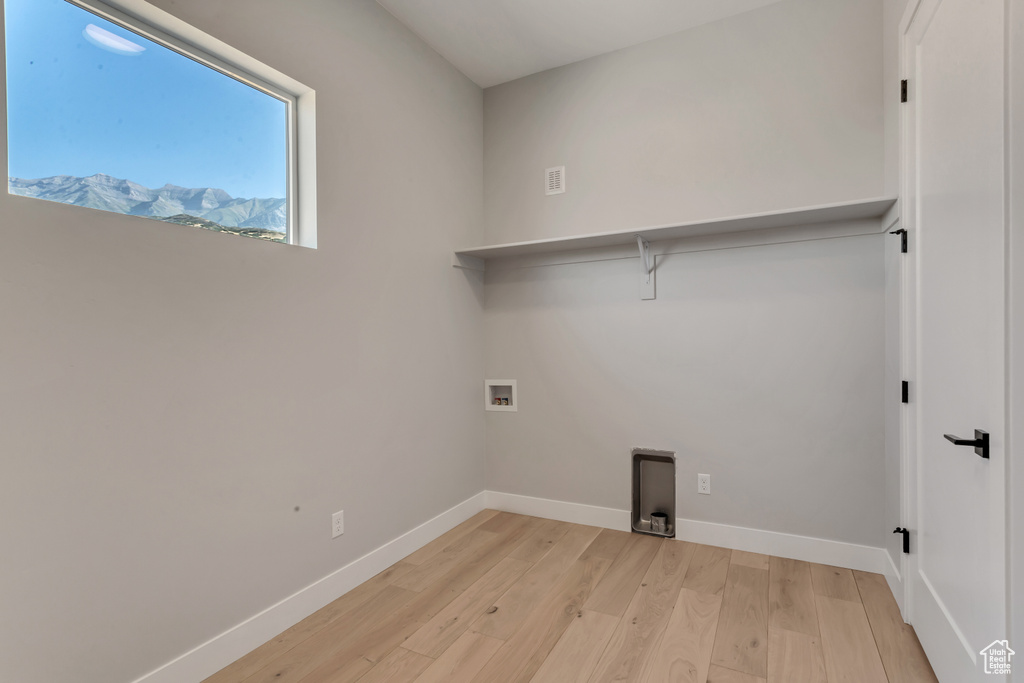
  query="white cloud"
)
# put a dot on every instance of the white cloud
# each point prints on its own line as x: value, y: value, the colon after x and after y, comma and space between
x: 106, y: 40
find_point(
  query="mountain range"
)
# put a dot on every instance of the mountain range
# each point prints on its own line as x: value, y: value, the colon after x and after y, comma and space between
x: 124, y: 196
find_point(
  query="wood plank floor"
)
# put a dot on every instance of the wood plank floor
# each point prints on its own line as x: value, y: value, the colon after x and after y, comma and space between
x: 505, y: 597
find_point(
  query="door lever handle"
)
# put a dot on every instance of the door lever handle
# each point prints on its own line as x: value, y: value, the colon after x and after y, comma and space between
x: 979, y: 442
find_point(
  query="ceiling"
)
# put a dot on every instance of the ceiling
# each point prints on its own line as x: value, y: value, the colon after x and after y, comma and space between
x: 494, y: 41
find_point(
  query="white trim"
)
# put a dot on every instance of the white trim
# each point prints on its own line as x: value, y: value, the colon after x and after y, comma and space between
x: 820, y: 550
x: 687, y: 245
x: 894, y: 577
x: 576, y: 513
x: 221, y: 650
x: 891, y: 217
x: 947, y: 617
x: 909, y: 316
x: 166, y: 29
x: 807, y: 548
x: 945, y: 656
x: 894, y: 570
x: 822, y: 214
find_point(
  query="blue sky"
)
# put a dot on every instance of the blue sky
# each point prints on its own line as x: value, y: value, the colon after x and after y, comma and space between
x: 86, y: 100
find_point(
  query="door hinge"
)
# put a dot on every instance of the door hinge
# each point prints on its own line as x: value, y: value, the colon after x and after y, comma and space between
x: 905, y: 392
x: 903, y: 90
x: 903, y: 239
x: 906, y: 538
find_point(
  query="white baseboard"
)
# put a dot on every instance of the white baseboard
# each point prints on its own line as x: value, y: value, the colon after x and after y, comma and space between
x: 576, y: 513
x: 894, y: 577
x: 216, y: 653
x: 820, y: 550
x: 807, y: 548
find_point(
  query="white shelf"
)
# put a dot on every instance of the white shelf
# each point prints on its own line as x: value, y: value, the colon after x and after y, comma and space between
x: 812, y: 215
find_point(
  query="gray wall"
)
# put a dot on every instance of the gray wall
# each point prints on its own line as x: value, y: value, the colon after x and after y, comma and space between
x: 769, y: 110
x: 762, y: 366
x: 169, y: 395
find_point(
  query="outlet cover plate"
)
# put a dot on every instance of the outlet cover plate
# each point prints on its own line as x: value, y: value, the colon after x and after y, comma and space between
x: 704, y: 484
x: 337, y: 524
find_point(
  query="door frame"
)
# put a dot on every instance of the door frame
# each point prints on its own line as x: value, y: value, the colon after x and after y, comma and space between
x: 908, y: 326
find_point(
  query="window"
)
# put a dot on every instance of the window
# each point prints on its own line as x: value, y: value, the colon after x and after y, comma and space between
x: 137, y: 113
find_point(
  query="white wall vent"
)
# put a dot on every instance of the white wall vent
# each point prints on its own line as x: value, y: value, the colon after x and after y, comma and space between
x: 555, y: 180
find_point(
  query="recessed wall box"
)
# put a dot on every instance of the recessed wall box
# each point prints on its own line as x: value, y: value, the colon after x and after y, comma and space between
x: 500, y: 394
x: 654, y: 492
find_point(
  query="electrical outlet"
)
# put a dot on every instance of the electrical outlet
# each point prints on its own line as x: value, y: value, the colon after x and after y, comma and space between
x: 704, y: 484
x: 337, y: 524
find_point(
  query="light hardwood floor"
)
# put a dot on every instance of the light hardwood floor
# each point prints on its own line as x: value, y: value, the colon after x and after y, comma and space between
x: 505, y: 597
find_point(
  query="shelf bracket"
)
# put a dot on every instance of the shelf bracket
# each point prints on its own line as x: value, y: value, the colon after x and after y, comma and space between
x: 647, y: 263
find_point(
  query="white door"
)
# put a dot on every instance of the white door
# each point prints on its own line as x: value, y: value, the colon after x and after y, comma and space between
x: 953, y: 191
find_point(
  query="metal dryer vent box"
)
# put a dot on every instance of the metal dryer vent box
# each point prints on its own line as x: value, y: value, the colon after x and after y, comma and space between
x: 654, y: 491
